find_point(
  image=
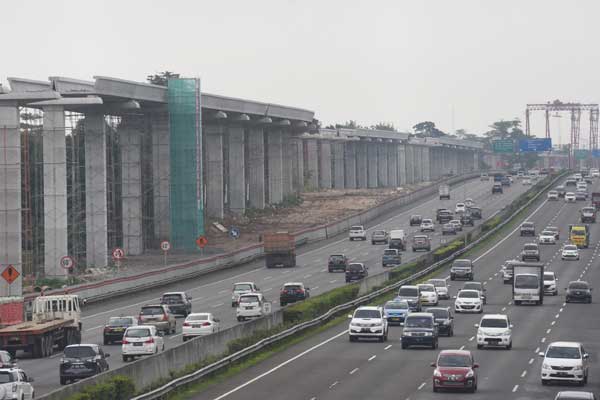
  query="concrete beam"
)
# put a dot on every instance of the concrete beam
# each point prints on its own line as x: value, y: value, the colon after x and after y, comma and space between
x: 121, y: 88
x: 70, y: 86
x: 256, y: 167
x: 22, y: 85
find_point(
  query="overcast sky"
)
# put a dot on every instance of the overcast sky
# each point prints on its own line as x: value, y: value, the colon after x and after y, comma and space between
x: 398, y: 61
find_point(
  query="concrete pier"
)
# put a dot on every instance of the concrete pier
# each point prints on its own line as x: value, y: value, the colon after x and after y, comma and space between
x: 286, y: 159
x: 312, y: 164
x: 402, y: 165
x: 256, y: 168
x: 275, y: 166
x: 325, y: 164
x: 350, y: 165
x: 161, y: 174
x: 297, y: 165
x: 213, y: 141
x: 372, y: 165
x: 338, y: 164
x: 236, y: 189
x: 361, y: 164
x: 392, y: 157
x: 382, y: 165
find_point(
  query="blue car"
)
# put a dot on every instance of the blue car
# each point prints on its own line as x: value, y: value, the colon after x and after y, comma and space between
x: 395, y: 311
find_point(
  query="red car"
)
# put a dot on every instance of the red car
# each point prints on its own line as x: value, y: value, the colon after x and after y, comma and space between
x: 455, y: 369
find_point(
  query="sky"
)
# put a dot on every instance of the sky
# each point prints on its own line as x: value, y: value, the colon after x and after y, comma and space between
x: 461, y: 64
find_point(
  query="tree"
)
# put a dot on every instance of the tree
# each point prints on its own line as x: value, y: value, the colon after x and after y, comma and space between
x: 511, y: 130
x: 384, y: 126
x: 427, y: 129
x: 162, y: 78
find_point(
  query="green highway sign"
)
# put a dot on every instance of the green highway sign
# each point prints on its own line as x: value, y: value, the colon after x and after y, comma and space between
x: 581, y: 154
x: 503, y: 146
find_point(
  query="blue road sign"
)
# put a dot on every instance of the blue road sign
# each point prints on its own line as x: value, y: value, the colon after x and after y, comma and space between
x: 596, y: 153
x: 535, y: 145
x: 234, y: 232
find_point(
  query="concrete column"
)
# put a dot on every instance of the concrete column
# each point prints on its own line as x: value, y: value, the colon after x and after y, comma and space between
x: 312, y: 164
x: 419, y: 164
x: 410, y: 166
x: 297, y: 165
x: 213, y: 153
x: 426, y: 164
x: 287, y: 153
x: 256, y: 167
x: 350, y: 165
x: 161, y: 173
x: 402, y: 179
x: 55, y: 191
x: 361, y: 164
x: 372, y: 165
x: 392, y: 157
x: 275, y: 166
x: 382, y: 165
x: 236, y: 189
x: 325, y: 164
x: 10, y: 198
x: 96, y: 215
x: 130, y: 139
x: 476, y: 161
x: 338, y: 165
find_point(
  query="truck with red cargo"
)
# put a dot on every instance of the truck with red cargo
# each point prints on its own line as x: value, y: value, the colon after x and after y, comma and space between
x: 280, y: 249
x: 55, y: 322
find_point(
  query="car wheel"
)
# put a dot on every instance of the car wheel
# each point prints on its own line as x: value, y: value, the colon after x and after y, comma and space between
x: 125, y: 358
x: 106, y: 341
x: 404, y: 346
x: 185, y: 339
x: 589, y: 300
x: 351, y: 338
x: 63, y: 381
x: 452, y: 277
x: 240, y: 319
x: 544, y: 382
x: 479, y: 346
x: 585, y: 379
x: 435, y: 389
x: 509, y: 347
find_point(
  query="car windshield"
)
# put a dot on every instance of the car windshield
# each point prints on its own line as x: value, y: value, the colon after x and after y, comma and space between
x: 172, y: 298
x: 571, y: 247
x: 418, y: 322
x: 119, y: 321
x: 415, y: 217
x: 6, y: 377
x: 548, y: 276
x: 408, y: 292
x: 438, y: 282
x: 589, y: 210
x: 468, y: 294
x: 530, y: 247
x: 472, y: 286
x: 493, y: 323
x: 355, y: 267
x: 390, y: 252
x: 420, y: 238
x: 427, y: 221
x: 379, y: 233
x: 438, y: 313
x: 356, y: 228
x: 249, y: 299
x: 152, y: 310
x: 336, y: 258
x: 526, y: 282
x: 292, y: 287
x: 547, y: 233
x: 527, y: 225
x: 398, y: 305
x: 79, y: 352
x: 242, y: 287
x: 454, y: 360
x: 461, y: 264
x: 563, y: 352
x: 197, y: 317
x: 365, y: 313
x: 427, y: 288
x: 578, y: 285
x: 138, y: 332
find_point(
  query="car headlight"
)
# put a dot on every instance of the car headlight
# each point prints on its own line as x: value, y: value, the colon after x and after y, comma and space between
x: 578, y: 368
x: 546, y: 366
x: 428, y: 333
x: 407, y: 333
x: 469, y: 374
x: 437, y: 373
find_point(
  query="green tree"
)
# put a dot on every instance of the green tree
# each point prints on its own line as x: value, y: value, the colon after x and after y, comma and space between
x: 511, y: 130
x: 162, y: 78
x: 384, y: 126
x: 427, y: 129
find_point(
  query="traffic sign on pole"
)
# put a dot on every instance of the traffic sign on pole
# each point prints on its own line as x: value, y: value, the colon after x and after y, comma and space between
x: 67, y: 262
x: 10, y: 274
x: 165, y: 245
x: 201, y: 242
x: 118, y: 253
x: 503, y: 146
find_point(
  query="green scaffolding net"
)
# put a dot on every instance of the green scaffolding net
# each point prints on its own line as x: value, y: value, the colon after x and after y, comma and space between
x: 185, y: 125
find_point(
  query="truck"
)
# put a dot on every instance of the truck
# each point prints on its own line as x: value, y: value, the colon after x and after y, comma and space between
x: 280, y: 249
x: 444, y: 191
x: 596, y: 200
x: 397, y: 239
x: 588, y: 214
x: 579, y: 235
x: 528, y: 283
x: 55, y: 321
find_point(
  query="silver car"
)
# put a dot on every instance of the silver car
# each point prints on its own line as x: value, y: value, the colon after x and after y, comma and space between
x: 158, y: 315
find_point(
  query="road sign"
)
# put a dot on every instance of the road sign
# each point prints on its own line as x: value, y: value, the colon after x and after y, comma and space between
x: 118, y: 253
x: 10, y: 274
x: 165, y: 245
x: 581, y: 154
x: 503, y: 146
x: 67, y: 262
x: 535, y: 145
x: 201, y: 241
x: 596, y: 153
x: 234, y: 232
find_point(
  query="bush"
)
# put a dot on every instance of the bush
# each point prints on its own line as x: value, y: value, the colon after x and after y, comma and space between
x: 116, y: 388
x: 315, y: 306
x: 445, y: 251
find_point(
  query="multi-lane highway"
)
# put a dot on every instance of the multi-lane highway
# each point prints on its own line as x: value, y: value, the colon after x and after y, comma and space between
x: 212, y: 293
x: 328, y: 366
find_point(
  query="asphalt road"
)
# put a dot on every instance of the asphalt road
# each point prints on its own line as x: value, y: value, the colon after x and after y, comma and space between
x: 212, y: 293
x: 328, y: 366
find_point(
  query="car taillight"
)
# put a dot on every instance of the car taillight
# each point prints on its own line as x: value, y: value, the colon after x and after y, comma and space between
x: 125, y: 341
x: 165, y: 317
x: 206, y: 324
x: 106, y: 329
x: 149, y: 341
x: 186, y: 324
x: 301, y: 291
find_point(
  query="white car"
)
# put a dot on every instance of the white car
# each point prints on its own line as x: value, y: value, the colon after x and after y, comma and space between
x: 468, y: 300
x: 143, y: 340
x: 441, y: 287
x: 241, y: 288
x: 15, y: 384
x: 429, y: 296
x: 553, y: 195
x: 494, y: 330
x: 250, y: 306
x: 358, y: 232
x: 581, y: 186
x: 199, y: 324
x: 550, y: 283
x: 457, y: 224
x: 565, y: 361
x: 526, y: 182
x: 460, y: 208
x: 469, y: 202
x: 570, y: 252
x: 570, y: 197
x: 547, y: 237
x: 368, y: 322
x: 595, y: 173
x: 427, y: 225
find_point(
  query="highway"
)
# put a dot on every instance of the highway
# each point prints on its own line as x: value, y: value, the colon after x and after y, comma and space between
x: 212, y: 293
x: 328, y: 366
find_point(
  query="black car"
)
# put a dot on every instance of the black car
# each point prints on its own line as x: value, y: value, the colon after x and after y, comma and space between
x: 337, y: 262
x: 415, y: 220
x: 444, y: 318
x: 467, y: 219
x: 443, y: 215
x: 419, y: 329
x: 579, y: 291
x: 505, y: 181
x: 474, y: 212
x: 293, y: 292
x: 115, y: 328
x: 179, y: 303
x: 527, y: 229
x: 356, y: 272
x: 82, y: 361
x: 497, y: 188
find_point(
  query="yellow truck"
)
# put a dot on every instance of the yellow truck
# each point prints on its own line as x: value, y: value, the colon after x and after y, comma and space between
x: 579, y: 235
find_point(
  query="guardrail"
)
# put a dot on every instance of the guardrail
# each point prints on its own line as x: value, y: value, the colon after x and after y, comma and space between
x: 187, y: 379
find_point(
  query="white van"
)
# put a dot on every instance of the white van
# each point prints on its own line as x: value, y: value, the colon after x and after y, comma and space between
x: 250, y: 306
x: 397, y: 239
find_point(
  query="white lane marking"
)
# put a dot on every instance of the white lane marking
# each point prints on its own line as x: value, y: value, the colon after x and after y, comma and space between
x: 503, y: 308
x: 283, y: 364
x: 318, y: 260
x: 307, y: 276
x: 561, y: 309
x: 223, y: 291
x: 557, y: 315
x: 372, y: 358
x: 333, y: 281
x: 471, y: 338
x: 552, y: 323
x: 267, y: 289
x: 422, y: 385
x: 266, y: 278
x: 490, y: 278
x: 217, y: 305
x: 95, y: 327
x: 543, y: 340
x: 118, y: 309
x: 531, y: 361
x: 324, y: 270
x: 537, y: 350
x: 174, y: 336
x: 353, y: 371
x: 462, y: 347
x: 564, y: 304
x: 330, y: 387
x: 523, y: 374
x: 515, y: 388
x: 288, y: 271
x: 388, y: 347
x: 548, y: 330
x: 509, y: 303
x: 314, y: 288
x: 510, y: 234
x: 496, y: 274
